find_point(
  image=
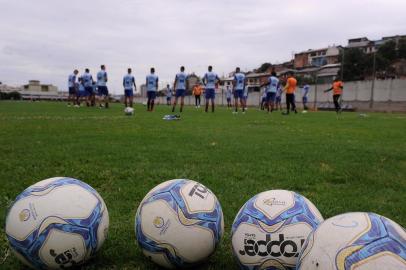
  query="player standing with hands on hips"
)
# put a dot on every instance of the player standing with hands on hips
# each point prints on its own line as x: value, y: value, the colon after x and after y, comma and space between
x: 210, y: 80
x: 337, y: 88
x: 273, y: 83
x: 239, y: 86
x: 180, y: 86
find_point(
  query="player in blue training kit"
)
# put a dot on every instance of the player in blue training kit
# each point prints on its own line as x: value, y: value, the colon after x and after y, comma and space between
x: 168, y: 95
x: 239, y: 86
x: 273, y: 84
x: 263, y: 100
x: 94, y: 92
x: 305, y: 93
x: 128, y: 83
x: 87, y: 81
x: 229, y: 93
x: 72, y: 87
x: 210, y: 80
x: 102, y: 90
x: 152, y: 87
x: 180, y: 85
x: 81, y: 93
x: 278, y: 98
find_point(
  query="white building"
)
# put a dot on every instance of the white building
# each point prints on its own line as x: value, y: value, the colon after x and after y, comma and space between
x: 35, y: 90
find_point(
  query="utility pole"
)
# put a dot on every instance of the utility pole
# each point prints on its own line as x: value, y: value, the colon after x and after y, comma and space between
x: 342, y: 64
x: 371, y: 102
x: 315, y: 90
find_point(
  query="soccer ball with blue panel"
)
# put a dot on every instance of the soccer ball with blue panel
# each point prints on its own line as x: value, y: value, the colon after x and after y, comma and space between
x: 271, y: 228
x: 355, y: 241
x: 179, y: 224
x: 57, y: 223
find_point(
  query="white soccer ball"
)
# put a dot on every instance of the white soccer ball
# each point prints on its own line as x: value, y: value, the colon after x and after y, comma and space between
x: 179, y: 223
x: 271, y: 228
x: 355, y: 241
x: 57, y: 223
x: 129, y: 111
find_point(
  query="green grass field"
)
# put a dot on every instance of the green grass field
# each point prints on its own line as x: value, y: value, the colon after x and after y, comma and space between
x: 341, y: 165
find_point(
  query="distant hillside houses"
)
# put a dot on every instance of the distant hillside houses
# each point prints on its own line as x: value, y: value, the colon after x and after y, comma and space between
x: 330, y: 55
x: 321, y: 65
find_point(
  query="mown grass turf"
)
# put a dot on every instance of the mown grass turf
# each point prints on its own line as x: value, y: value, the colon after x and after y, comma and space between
x: 350, y: 164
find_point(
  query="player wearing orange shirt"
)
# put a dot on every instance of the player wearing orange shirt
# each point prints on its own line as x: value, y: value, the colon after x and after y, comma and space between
x: 337, y: 88
x: 290, y: 89
x: 197, y: 92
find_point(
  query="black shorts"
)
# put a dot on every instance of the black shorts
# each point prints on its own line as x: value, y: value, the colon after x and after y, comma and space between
x: 151, y: 94
x: 89, y: 90
x: 72, y: 91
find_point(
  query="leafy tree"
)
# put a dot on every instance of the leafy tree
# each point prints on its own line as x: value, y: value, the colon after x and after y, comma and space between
x: 15, y: 95
x: 355, y: 63
x: 402, y: 48
x: 388, y: 51
x: 12, y: 95
x: 264, y: 67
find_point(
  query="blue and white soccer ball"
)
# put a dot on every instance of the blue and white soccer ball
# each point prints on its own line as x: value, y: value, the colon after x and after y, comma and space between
x: 271, y: 228
x: 179, y: 223
x: 355, y: 241
x: 57, y: 223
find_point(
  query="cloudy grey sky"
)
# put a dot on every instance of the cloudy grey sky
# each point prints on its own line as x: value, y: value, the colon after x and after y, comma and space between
x: 47, y: 39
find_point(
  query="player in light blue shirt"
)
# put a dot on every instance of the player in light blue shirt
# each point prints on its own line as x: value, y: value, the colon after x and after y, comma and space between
x: 210, y: 79
x: 305, y: 93
x: 87, y: 81
x: 81, y: 93
x: 229, y: 93
x: 246, y: 91
x: 239, y: 86
x: 278, y: 98
x: 128, y: 84
x: 72, y: 87
x: 263, y: 100
x: 180, y: 85
x: 273, y: 83
x: 168, y: 95
x: 151, y: 82
x: 102, y: 90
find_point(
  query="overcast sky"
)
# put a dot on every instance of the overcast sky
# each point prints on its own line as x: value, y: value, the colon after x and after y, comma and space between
x: 47, y: 39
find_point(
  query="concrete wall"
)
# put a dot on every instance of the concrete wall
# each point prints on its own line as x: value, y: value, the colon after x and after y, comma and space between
x: 389, y: 95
